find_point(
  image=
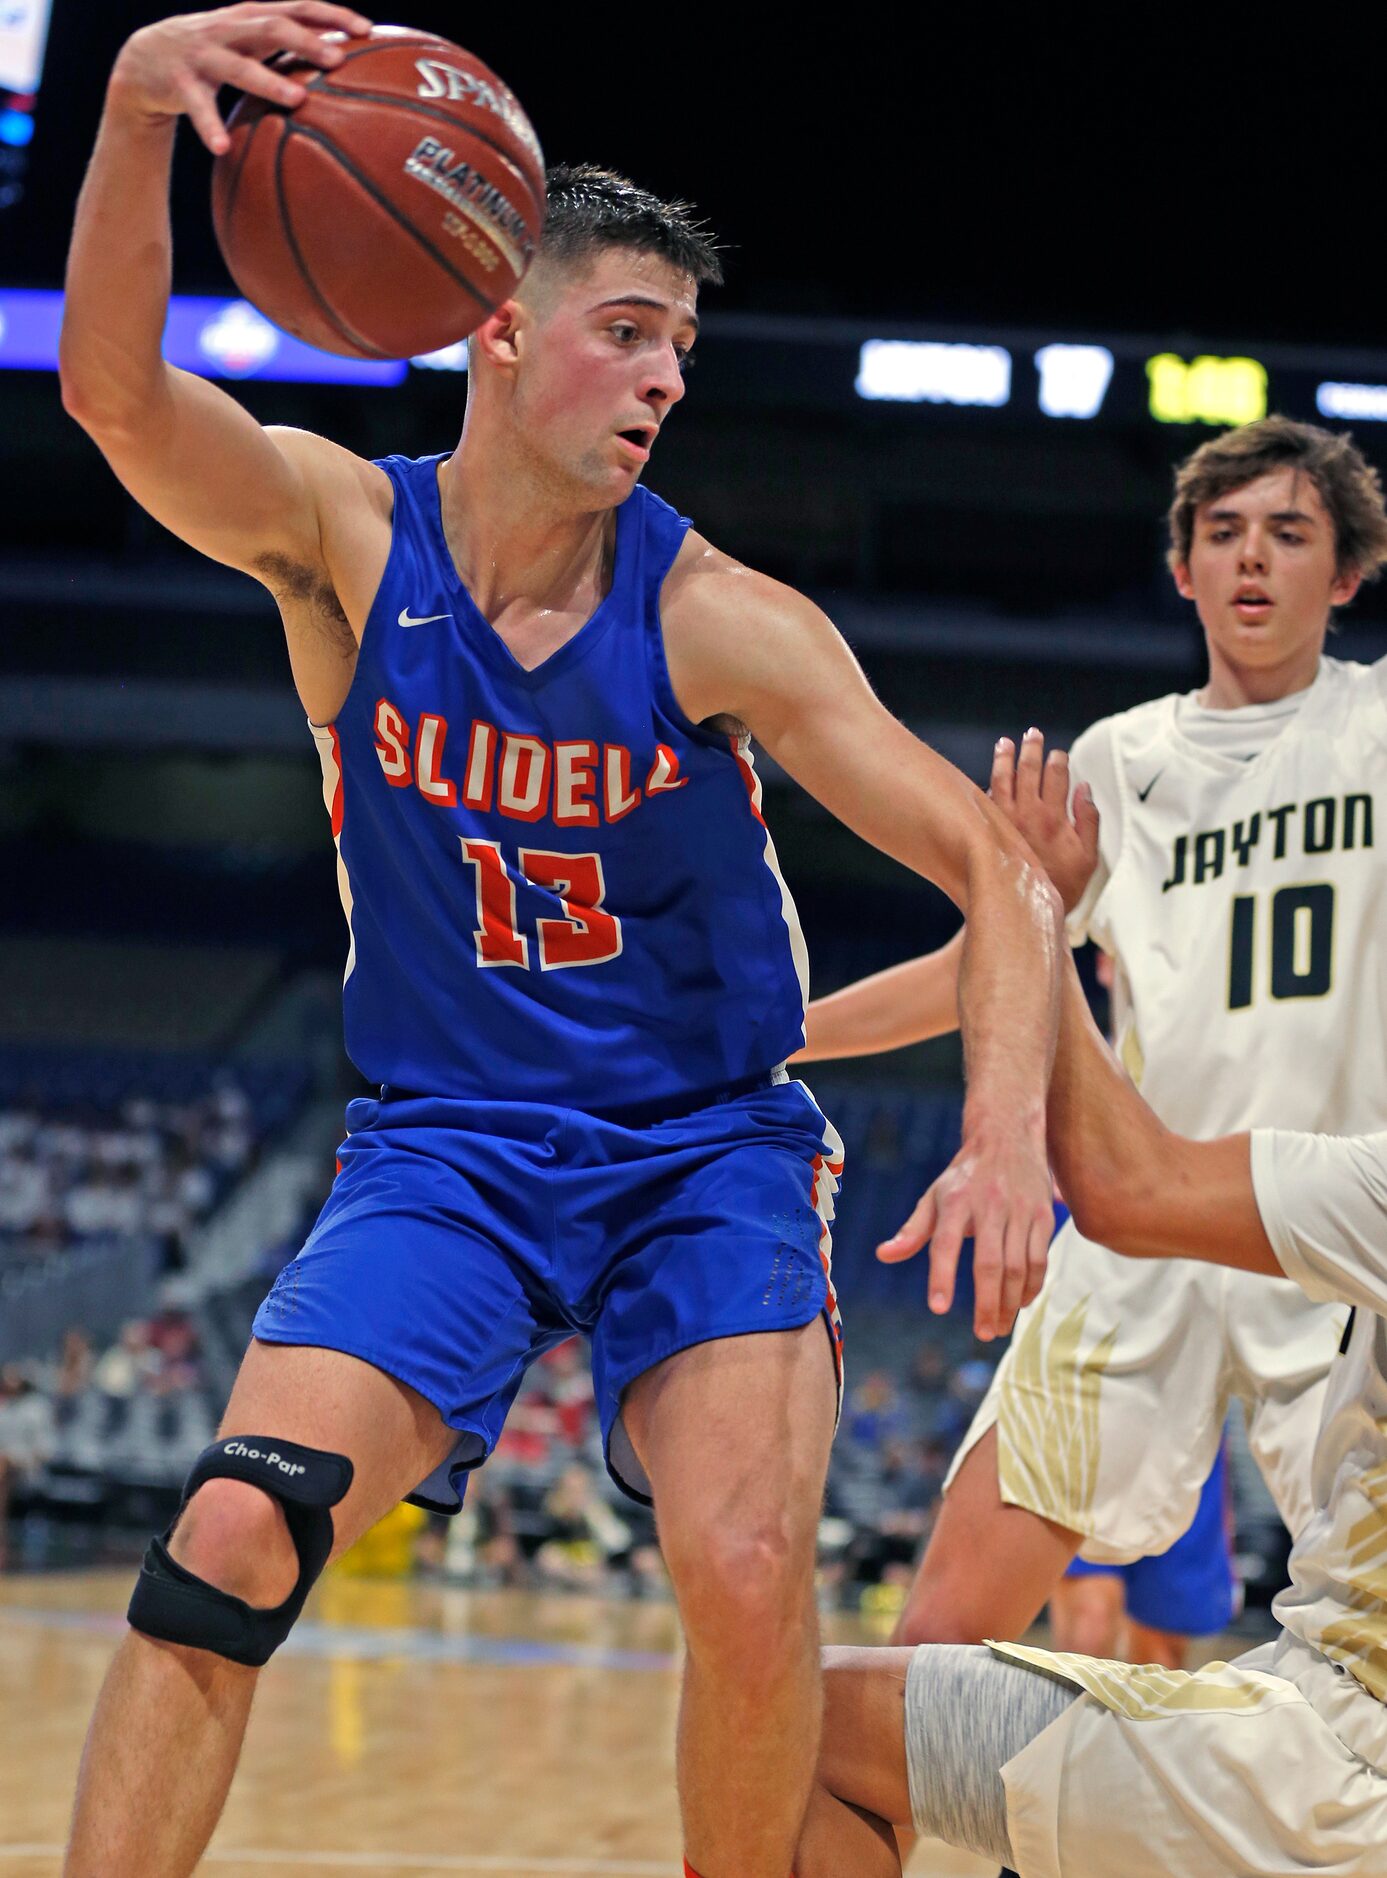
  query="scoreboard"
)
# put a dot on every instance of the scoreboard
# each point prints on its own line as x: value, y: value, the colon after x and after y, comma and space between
x: 755, y: 362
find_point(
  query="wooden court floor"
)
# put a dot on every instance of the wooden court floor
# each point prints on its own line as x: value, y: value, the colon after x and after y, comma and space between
x: 408, y: 1731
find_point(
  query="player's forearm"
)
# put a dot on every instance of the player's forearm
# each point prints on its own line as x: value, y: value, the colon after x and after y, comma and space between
x: 1008, y: 989
x: 119, y: 274
x: 903, y: 1005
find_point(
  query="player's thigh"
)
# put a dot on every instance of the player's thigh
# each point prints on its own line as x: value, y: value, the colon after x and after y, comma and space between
x: 1146, y: 1643
x: 326, y: 1399
x: 734, y: 1435
x: 862, y: 1757
x: 989, y: 1568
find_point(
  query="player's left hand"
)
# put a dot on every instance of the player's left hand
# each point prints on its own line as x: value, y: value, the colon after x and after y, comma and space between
x: 997, y: 1191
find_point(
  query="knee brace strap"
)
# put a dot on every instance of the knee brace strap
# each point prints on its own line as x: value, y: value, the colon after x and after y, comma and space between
x: 174, y: 1605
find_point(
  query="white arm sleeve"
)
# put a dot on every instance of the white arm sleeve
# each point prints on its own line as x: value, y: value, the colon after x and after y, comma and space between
x: 1323, y: 1201
x: 1093, y: 761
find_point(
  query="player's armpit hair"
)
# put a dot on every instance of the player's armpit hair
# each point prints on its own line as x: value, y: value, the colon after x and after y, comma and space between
x: 296, y: 582
x: 589, y: 208
x: 1348, y: 485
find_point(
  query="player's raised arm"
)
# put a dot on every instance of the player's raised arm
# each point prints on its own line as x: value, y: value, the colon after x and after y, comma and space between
x: 1131, y: 1183
x: 744, y: 645
x: 186, y: 451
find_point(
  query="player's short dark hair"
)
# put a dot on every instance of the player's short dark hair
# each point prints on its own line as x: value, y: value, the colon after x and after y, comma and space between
x: 590, y: 209
x: 1349, y: 486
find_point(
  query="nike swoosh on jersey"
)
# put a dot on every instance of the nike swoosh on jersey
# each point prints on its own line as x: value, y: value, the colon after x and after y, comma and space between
x: 1142, y: 794
x: 407, y: 618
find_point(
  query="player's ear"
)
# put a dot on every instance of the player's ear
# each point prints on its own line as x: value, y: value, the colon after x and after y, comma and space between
x: 497, y: 339
x: 1184, y: 586
x: 1345, y: 586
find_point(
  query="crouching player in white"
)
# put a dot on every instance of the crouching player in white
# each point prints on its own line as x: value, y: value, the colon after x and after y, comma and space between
x: 1055, y: 1763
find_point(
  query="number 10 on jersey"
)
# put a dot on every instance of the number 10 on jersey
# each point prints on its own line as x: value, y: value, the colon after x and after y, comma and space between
x: 585, y: 935
x: 1301, y: 944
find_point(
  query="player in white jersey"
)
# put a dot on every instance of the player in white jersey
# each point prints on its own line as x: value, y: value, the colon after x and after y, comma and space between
x: 1235, y: 871
x: 1062, y: 1764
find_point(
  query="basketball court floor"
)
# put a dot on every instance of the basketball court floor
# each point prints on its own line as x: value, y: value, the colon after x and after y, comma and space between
x: 406, y: 1730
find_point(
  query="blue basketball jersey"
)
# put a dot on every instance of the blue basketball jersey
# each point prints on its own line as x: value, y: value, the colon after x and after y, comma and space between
x: 558, y: 888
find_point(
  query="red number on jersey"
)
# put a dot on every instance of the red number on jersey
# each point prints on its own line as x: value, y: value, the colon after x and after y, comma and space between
x: 586, y: 935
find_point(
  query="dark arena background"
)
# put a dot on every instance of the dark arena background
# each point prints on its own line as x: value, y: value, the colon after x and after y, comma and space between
x: 983, y: 290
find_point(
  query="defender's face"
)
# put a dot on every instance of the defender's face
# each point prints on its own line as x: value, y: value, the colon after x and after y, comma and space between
x: 601, y: 366
x: 1261, y: 570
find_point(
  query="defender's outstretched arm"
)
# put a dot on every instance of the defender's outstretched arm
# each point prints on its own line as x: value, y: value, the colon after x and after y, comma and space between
x: 1130, y: 1182
x: 904, y: 1004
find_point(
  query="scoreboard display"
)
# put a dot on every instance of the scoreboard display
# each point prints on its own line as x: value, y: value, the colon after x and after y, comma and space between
x: 23, y: 40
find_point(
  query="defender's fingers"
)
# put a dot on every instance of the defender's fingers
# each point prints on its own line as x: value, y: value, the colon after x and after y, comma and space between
x: 201, y: 106
x: 907, y: 1240
x: 1028, y: 767
x: 1002, y: 787
x: 1054, y: 782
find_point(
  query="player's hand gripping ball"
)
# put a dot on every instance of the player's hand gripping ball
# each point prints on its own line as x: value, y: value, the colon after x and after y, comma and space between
x: 393, y: 208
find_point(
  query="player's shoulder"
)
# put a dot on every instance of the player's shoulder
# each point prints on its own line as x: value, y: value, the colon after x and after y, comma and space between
x: 709, y: 589
x: 330, y: 469
x: 1112, y: 740
x: 1361, y: 687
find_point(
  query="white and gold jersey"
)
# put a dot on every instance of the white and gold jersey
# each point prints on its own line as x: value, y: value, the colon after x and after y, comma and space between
x: 1243, y: 896
x: 1244, y: 900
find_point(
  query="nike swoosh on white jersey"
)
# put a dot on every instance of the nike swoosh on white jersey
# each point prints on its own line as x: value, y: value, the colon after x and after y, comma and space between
x: 407, y: 619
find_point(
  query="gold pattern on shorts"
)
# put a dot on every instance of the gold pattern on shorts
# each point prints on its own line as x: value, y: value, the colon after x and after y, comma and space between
x: 1145, y: 1691
x: 1360, y: 1641
x: 1047, y: 1414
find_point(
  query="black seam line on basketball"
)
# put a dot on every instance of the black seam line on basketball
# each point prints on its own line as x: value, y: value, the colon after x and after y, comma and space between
x: 234, y: 180
x: 422, y: 109
x: 330, y: 313
x: 384, y: 202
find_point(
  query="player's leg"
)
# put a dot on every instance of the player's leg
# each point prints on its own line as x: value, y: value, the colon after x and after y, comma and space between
x: 920, y: 1737
x: 989, y: 1568
x: 734, y: 1436
x: 1088, y: 1611
x: 166, y: 1734
x: 1147, y: 1643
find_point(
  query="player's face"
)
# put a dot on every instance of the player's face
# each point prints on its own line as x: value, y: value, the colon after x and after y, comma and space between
x: 1261, y: 570
x: 602, y: 367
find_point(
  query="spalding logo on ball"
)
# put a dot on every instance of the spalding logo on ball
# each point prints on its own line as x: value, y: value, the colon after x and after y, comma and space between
x: 393, y: 209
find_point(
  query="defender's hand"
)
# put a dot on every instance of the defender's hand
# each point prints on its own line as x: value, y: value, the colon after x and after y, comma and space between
x: 176, y: 67
x: 996, y: 1190
x: 1032, y: 791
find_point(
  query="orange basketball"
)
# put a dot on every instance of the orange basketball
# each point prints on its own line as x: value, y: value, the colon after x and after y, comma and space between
x: 393, y: 209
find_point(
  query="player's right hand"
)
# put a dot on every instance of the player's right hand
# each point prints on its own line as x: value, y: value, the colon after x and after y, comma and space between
x: 176, y: 67
x: 1032, y: 791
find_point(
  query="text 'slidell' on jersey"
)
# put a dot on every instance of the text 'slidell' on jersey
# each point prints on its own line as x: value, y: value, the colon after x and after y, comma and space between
x: 558, y: 888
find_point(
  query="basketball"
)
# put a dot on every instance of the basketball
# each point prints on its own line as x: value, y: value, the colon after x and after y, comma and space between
x: 393, y: 209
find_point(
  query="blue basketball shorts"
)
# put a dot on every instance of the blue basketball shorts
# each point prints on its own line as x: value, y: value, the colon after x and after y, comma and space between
x: 463, y: 1239
x: 1192, y: 1589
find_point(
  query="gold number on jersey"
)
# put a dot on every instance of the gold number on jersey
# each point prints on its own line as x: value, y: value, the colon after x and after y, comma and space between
x: 1301, y: 944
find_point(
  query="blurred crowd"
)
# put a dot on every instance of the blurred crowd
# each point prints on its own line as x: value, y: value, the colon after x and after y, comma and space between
x: 146, y: 1169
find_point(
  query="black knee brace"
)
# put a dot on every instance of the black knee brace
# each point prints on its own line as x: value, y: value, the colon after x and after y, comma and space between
x: 170, y: 1603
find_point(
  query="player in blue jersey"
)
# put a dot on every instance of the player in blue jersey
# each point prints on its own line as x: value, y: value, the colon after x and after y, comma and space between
x: 574, y: 976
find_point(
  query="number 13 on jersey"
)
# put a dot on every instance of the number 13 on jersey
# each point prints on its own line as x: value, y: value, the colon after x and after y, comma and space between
x: 585, y: 935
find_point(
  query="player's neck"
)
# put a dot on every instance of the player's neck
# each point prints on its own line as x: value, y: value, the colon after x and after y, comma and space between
x: 515, y: 540
x: 1232, y: 685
